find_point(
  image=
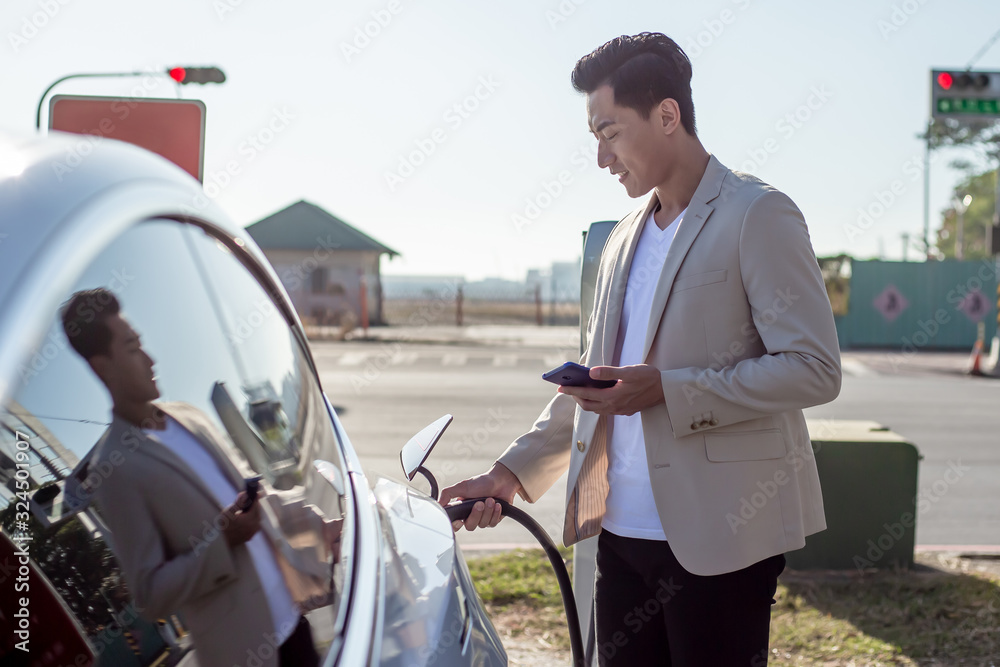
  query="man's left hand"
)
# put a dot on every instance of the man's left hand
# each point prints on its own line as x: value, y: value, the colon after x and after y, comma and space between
x: 638, y: 388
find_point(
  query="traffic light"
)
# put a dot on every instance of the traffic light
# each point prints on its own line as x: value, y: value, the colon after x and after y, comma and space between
x: 965, y: 94
x: 186, y: 75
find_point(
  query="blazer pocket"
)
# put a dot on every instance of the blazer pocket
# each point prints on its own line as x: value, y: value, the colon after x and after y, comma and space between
x: 699, y: 279
x: 745, y: 445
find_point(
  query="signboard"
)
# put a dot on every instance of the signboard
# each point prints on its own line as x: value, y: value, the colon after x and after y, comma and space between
x: 174, y: 129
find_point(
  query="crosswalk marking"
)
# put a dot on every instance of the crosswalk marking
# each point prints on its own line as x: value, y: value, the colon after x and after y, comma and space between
x: 855, y: 368
x: 553, y: 360
x: 353, y: 358
x: 544, y: 360
x: 405, y: 358
x: 411, y: 358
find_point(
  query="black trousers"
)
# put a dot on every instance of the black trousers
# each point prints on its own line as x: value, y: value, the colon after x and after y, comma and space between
x: 651, y: 611
x: 299, y: 650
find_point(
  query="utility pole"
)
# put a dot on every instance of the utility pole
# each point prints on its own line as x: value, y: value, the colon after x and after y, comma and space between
x: 961, y: 206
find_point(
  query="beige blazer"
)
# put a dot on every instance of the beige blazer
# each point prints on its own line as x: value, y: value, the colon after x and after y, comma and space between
x: 175, y: 560
x: 742, y: 331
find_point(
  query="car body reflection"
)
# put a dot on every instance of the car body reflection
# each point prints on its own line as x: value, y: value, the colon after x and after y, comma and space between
x: 105, y: 524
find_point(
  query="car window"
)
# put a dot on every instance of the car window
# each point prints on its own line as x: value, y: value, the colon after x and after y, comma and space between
x: 237, y: 388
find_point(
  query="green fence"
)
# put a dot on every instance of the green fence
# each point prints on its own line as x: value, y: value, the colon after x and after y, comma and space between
x: 919, y: 305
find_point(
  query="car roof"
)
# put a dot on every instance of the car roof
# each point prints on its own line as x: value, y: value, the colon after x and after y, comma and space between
x: 63, y: 198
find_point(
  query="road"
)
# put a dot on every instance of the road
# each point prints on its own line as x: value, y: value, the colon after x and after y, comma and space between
x: 952, y: 418
x: 387, y: 390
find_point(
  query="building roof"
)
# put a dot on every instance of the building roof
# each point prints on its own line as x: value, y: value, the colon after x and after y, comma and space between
x: 305, y: 226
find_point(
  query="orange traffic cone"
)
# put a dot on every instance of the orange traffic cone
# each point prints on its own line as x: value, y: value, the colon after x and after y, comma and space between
x: 976, y: 361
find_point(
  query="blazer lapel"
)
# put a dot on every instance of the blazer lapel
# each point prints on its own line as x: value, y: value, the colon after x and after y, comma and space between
x: 619, y: 281
x: 192, y: 420
x: 690, y: 226
x: 155, y: 449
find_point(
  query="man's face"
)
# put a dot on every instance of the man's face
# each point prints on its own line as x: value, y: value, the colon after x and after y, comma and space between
x: 126, y: 370
x: 634, y: 149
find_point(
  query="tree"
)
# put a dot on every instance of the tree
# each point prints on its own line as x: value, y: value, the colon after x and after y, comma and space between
x: 977, y: 219
x: 79, y: 565
x: 982, y: 136
x: 837, y: 276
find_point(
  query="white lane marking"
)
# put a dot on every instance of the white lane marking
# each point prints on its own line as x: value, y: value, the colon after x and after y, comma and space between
x: 405, y: 358
x: 553, y: 360
x: 353, y: 358
x: 454, y: 359
x: 505, y: 360
x: 855, y: 368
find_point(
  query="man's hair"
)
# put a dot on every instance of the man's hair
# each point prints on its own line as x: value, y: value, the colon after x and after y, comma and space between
x: 84, y: 320
x: 642, y: 70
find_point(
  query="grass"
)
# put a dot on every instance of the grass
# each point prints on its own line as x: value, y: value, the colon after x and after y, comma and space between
x: 522, y: 576
x: 926, y: 616
x: 522, y: 597
x: 890, y: 618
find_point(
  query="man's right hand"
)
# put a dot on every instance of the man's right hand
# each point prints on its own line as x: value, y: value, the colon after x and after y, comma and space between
x: 499, y: 482
x: 241, y: 525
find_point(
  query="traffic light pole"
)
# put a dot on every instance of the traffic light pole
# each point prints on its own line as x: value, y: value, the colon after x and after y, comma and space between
x: 38, y: 113
x: 181, y: 75
x: 927, y: 190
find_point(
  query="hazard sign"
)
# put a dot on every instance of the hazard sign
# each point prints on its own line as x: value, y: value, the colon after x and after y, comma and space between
x: 890, y: 303
x: 975, y: 306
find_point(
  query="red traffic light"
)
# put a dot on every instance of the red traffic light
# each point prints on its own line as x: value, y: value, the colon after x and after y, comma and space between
x: 963, y: 80
x: 186, y: 75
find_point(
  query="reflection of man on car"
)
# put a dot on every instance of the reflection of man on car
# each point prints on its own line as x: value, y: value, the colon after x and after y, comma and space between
x: 174, y: 504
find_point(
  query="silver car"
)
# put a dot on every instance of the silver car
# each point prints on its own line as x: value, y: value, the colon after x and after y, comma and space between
x: 227, y: 344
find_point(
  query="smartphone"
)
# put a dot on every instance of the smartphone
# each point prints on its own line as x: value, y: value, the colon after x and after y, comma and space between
x: 572, y: 374
x: 252, y: 488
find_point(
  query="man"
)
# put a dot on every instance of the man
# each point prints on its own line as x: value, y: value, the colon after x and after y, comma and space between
x: 712, y: 316
x: 188, y: 538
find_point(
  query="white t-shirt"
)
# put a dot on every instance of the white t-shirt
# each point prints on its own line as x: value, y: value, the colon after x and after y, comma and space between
x: 631, y: 511
x: 180, y: 441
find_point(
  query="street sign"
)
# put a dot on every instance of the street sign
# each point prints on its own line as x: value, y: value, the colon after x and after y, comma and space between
x: 965, y: 95
x: 975, y: 305
x: 174, y: 129
x: 891, y: 303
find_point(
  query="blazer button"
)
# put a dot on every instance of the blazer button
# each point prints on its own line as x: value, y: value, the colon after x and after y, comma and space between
x: 580, y: 445
x: 704, y: 423
x: 714, y: 422
x: 694, y: 426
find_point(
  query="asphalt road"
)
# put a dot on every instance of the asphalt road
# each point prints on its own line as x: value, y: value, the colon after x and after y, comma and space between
x: 386, y: 391
x: 954, y: 421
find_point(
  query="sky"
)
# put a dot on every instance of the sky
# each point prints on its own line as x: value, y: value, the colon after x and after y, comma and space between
x: 449, y: 131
